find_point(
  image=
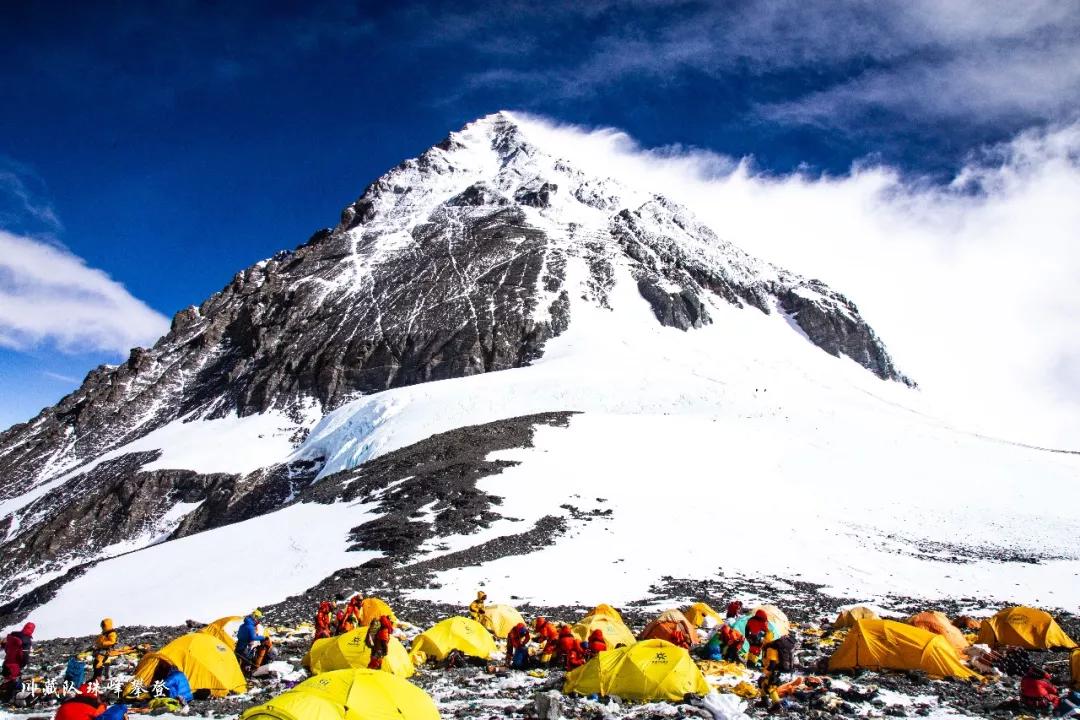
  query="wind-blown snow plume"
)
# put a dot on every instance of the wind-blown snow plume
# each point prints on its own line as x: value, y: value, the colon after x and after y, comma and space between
x: 972, y: 282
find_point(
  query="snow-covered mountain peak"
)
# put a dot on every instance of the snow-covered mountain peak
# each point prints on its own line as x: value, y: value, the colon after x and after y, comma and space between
x: 474, y: 258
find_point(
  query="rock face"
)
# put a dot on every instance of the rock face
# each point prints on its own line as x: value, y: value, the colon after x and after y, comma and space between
x: 454, y: 263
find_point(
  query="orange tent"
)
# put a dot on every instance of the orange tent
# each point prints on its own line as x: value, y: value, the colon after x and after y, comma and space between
x: 937, y: 623
x: 1026, y: 628
x: 664, y: 627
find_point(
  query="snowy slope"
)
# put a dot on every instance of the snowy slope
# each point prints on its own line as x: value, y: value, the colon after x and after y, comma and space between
x: 738, y: 448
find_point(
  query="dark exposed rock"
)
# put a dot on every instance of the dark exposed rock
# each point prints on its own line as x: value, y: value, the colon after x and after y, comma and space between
x: 832, y: 323
x: 681, y: 309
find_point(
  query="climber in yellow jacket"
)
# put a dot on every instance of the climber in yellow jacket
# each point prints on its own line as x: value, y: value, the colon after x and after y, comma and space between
x: 476, y: 607
x: 103, y: 647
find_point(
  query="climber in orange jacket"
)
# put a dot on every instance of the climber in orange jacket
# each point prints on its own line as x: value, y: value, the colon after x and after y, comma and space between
x: 569, y: 652
x: 517, y: 647
x: 757, y: 631
x: 548, y: 638
x: 349, y: 618
x: 1037, y: 693
x: 324, y: 617
x: 378, y: 639
x: 597, y: 644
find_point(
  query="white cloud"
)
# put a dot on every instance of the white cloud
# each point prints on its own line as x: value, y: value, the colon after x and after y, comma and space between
x: 978, y: 61
x: 972, y: 286
x: 47, y: 294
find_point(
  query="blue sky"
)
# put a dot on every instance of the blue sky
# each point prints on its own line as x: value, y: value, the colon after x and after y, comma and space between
x: 147, y: 153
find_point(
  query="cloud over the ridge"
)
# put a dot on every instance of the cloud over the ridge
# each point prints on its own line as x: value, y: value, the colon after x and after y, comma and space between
x: 49, y: 295
x: 971, y: 285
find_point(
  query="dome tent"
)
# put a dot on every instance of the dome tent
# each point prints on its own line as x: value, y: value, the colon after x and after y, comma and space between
x: 205, y: 660
x: 456, y: 633
x: 891, y: 645
x: 646, y: 671
x: 349, y: 695
x: 351, y: 651
x: 1024, y: 627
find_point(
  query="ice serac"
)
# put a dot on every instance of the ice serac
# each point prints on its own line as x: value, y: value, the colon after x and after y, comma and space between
x: 455, y: 263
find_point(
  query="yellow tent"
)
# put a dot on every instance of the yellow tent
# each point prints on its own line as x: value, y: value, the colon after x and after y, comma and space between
x: 349, y: 695
x: 664, y: 626
x: 777, y: 618
x: 605, y: 609
x: 609, y: 622
x: 373, y: 608
x: 207, y: 662
x: 939, y: 624
x: 456, y: 633
x: 1024, y: 627
x: 848, y: 618
x: 697, y: 613
x: 886, y: 644
x: 648, y: 670
x: 350, y: 651
x: 500, y: 619
x: 1074, y: 666
x: 224, y: 629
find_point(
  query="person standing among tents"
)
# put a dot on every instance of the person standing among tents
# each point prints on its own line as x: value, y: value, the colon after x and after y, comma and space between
x: 251, y: 647
x: 378, y: 639
x: 734, y: 609
x: 323, y: 619
x: 547, y: 637
x: 779, y: 663
x: 103, y: 647
x: 16, y: 656
x: 517, y: 647
x: 476, y: 607
x: 757, y: 634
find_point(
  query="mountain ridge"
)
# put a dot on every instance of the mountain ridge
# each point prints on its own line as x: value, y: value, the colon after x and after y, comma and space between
x: 462, y: 261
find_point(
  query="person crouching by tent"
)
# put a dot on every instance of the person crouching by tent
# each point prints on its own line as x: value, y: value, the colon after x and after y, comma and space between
x: 724, y: 644
x: 16, y: 656
x: 378, y: 639
x: 517, y: 647
x: 251, y: 647
x: 568, y: 651
x: 548, y: 639
x: 103, y: 647
x: 1037, y: 693
x: 596, y: 645
x: 324, y: 619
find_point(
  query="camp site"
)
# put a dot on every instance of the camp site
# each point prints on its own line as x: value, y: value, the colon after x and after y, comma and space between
x: 722, y: 657
x: 539, y: 360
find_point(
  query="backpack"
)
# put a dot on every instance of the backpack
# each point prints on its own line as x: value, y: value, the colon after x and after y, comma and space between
x: 74, y: 672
